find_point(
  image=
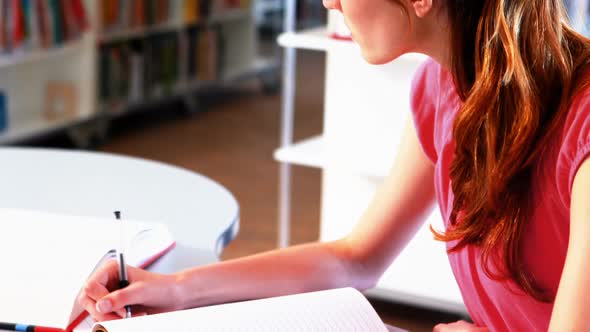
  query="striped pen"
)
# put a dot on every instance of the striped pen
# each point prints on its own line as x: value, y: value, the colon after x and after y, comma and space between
x: 27, y: 328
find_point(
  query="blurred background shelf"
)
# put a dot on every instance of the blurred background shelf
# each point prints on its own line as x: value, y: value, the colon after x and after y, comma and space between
x: 316, y: 39
x: 309, y: 152
x: 177, y: 53
x: 41, y: 128
x: 231, y: 15
x: 312, y: 152
x: 27, y: 57
x: 47, y: 71
x: 132, y: 54
x: 133, y: 33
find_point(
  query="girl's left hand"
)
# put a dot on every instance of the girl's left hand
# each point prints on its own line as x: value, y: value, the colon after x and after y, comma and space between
x: 460, y: 326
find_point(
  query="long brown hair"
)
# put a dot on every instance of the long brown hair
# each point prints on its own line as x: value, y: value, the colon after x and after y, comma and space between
x: 517, y: 67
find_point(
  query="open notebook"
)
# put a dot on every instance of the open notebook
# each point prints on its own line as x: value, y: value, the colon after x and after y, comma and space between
x: 341, y: 310
x: 46, y: 259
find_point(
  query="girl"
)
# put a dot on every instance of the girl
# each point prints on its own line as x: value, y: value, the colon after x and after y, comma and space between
x: 500, y: 139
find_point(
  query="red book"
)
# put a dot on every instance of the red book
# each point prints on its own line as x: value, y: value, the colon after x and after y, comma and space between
x: 43, y: 23
x: 67, y: 23
x: 139, y: 13
x: 3, y: 9
x: 18, y: 24
x: 79, y: 14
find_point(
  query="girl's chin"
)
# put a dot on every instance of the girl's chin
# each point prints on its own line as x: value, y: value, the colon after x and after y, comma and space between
x: 376, y: 59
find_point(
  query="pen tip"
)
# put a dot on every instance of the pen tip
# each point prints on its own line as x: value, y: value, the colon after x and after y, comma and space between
x: 118, y: 214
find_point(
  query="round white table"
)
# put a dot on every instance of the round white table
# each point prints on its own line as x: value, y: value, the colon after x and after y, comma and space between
x: 202, y: 215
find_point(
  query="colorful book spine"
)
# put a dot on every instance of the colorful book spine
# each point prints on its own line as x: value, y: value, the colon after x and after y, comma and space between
x: 3, y: 111
x: 44, y: 23
x: 33, y: 24
x: 80, y: 14
x: 56, y: 21
x: 191, y: 11
x: 17, y: 24
x: 3, y: 20
x: 26, y: 17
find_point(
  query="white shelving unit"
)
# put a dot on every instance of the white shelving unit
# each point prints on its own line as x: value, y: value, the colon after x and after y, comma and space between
x: 309, y: 152
x: 24, y: 77
x: 313, y: 39
x: 366, y: 107
x: 28, y: 57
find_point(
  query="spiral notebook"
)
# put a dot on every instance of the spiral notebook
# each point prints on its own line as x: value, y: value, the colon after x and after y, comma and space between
x: 47, y: 258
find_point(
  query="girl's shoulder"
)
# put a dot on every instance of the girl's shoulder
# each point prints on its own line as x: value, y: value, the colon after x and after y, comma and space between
x: 426, y: 82
x: 574, y: 141
x: 433, y: 102
x: 432, y: 88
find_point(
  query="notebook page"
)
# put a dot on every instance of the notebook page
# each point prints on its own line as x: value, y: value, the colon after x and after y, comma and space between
x: 47, y: 259
x: 339, y: 310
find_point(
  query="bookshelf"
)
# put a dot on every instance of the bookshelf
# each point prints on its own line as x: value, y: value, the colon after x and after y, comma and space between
x: 29, y: 74
x: 46, y: 68
x: 175, y: 52
x: 372, y: 103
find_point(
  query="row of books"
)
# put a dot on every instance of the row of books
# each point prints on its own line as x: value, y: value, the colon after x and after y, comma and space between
x: 40, y: 24
x: 117, y: 15
x: 158, y: 66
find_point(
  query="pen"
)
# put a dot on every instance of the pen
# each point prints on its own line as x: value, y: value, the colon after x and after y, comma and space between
x: 123, y: 279
x: 27, y: 328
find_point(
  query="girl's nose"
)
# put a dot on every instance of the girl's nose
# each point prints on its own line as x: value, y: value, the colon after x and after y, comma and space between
x: 333, y: 4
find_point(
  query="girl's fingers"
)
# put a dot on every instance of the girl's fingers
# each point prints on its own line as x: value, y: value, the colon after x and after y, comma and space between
x: 130, y: 295
x: 95, y: 290
x: 90, y: 306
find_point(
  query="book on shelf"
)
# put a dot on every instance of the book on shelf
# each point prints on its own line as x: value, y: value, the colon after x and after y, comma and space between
x: 208, y: 55
x: 27, y: 25
x: 51, y: 256
x: 61, y: 100
x: 3, y: 111
x: 339, y: 310
x: 191, y: 11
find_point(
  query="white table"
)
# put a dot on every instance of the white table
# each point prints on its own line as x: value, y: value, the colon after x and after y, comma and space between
x: 202, y: 215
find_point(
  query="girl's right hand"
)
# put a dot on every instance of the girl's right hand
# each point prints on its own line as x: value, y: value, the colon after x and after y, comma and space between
x: 147, y: 293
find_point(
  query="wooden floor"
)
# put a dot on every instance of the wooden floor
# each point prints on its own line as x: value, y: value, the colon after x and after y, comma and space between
x: 232, y: 142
